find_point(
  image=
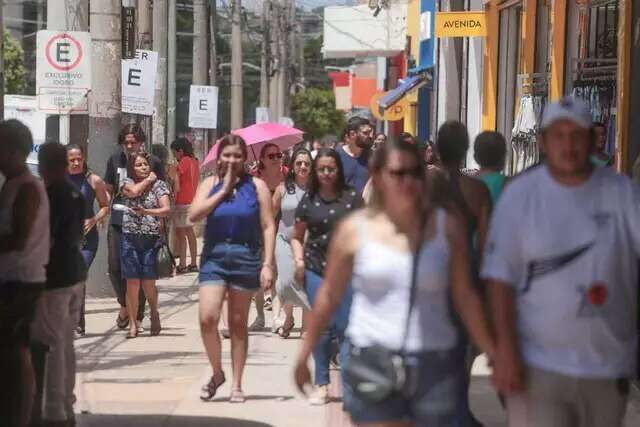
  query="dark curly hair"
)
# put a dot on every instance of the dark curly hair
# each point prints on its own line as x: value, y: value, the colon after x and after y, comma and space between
x: 133, y: 129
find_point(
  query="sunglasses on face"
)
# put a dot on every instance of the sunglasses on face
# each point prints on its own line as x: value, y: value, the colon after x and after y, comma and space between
x: 327, y: 170
x: 274, y: 156
x: 415, y: 173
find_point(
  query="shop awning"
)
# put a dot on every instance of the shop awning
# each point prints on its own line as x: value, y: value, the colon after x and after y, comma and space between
x: 406, y: 86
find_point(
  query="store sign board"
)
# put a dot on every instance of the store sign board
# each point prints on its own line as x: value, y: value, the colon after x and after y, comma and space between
x: 460, y: 24
x: 203, y: 107
x: 63, y: 71
x: 392, y: 114
x: 138, y: 83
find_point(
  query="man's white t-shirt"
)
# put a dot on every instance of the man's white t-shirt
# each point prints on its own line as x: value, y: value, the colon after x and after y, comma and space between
x: 571, y: 255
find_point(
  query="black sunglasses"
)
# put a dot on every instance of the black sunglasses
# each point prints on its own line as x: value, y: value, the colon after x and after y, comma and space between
x: 415, y: 172
x: 274, y: 156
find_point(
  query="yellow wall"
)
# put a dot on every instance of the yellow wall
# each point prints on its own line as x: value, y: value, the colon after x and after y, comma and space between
x: 490, y: 93
x: 558, y: 45
x: 413, y: 31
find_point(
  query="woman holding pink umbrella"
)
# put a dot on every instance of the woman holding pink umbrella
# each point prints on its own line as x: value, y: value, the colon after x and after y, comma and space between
x: 270, y: 170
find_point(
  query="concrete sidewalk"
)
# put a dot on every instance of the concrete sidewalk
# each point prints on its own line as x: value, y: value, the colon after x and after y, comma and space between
x: 155, y: 381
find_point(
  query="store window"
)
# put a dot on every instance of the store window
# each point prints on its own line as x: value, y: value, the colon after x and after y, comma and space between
x: 592, y: 66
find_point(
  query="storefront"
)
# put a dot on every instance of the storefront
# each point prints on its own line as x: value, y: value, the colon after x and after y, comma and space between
x: 548, y: 49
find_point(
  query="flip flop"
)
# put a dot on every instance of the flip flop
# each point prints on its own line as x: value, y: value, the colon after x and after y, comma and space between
x: 237, y: 396
x: 122, y: 322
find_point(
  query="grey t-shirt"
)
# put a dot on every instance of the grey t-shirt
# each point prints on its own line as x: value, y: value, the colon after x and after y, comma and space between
x: 571, y: 256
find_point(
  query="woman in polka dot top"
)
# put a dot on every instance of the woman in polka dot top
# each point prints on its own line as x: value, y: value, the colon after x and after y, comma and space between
x: 328, y: 201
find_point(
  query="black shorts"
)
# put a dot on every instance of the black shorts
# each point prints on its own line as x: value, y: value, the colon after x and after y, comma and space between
x: 18, y: 302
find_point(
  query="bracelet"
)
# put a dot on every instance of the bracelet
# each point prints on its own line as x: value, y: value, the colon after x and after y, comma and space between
x: 268, y: 265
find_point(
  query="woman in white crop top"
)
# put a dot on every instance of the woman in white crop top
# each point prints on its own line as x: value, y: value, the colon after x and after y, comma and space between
x: 374, y: 250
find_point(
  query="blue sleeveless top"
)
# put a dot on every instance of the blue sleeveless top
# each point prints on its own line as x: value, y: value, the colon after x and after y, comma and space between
x: 81, y: 184
x: 237, y: 218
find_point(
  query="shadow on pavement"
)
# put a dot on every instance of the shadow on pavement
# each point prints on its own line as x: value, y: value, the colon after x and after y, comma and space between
x: 128, y: 360
x: 254, y: 397
x: 98, y: 420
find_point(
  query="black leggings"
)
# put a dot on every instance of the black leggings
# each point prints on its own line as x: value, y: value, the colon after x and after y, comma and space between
x: 114, y: 239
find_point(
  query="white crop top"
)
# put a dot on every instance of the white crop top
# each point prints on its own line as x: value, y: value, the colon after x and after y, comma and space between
x: 381, y: 284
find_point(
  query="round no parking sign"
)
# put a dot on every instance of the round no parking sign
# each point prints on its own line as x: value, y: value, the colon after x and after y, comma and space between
x: 63, y: 52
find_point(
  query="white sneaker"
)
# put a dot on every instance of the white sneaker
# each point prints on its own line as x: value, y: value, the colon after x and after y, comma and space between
x: 320, y: 396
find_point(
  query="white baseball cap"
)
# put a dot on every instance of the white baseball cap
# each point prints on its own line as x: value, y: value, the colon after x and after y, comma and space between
x: 568, y: 108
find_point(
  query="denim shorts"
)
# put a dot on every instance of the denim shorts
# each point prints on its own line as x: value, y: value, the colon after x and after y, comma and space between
x: 432, y: 393
x: 138, y: 256
x: 231, y: 265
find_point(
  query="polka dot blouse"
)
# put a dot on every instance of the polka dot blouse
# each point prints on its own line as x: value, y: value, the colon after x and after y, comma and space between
x: 321, y: 217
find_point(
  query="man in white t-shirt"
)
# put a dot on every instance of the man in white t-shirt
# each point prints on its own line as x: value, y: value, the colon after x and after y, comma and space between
x: 562, y: 265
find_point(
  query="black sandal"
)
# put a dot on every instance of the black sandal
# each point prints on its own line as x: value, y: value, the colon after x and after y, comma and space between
x: 209, y: 390
x: 192, y: 269
x: 181, y: 270
x: 122, y: 322
x: 284, y: 331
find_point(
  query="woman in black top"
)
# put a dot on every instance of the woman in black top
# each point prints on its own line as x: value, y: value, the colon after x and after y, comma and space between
x: 328, y: 200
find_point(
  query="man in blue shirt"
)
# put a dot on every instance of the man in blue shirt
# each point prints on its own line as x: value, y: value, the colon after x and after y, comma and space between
x: 356, y: 151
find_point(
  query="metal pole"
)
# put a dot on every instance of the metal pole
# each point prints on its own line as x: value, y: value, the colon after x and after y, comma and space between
x: 171, y: 73
x: 160, y: 45
x: 236, y: 66
x: 200, y: 63
x: 144, y: 25
x: 72, y: 16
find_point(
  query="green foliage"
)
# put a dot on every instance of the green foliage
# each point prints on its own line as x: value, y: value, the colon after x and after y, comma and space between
x: 15, y: 73
x: 314, y: 111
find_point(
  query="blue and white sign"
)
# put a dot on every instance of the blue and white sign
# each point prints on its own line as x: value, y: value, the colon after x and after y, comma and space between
x: 427, y: 38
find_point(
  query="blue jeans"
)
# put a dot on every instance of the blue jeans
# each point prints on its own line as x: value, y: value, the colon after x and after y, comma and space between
x: 337, y: 328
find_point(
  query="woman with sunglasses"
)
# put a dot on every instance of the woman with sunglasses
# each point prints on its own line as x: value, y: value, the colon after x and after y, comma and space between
x: 270, y: 170
x: 285, y: 202
x: 327, y: 201
x: 372, y: 252
x: 239, y: 231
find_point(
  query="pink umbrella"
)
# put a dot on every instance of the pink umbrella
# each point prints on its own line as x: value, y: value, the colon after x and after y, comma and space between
x: 256, y: 136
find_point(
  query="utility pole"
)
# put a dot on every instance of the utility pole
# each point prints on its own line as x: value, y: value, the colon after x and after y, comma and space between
x: 104, y: 110
x: 264, y: 58
x: 72, y: 15
x: 200, y: 65
x: 160, y: 38
x: 236, y: 65
x: 213, y: 61
x: 171, y: 73
x: 274, y: 59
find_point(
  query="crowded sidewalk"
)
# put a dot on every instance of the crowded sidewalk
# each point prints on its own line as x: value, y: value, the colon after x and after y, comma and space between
x: 155, y: 381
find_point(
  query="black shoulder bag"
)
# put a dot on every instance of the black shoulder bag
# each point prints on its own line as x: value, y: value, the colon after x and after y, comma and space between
x: 165, y: 263
x: 375, y: 373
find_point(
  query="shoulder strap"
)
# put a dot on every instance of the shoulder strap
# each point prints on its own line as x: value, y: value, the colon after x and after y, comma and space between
x: 414, y: 282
